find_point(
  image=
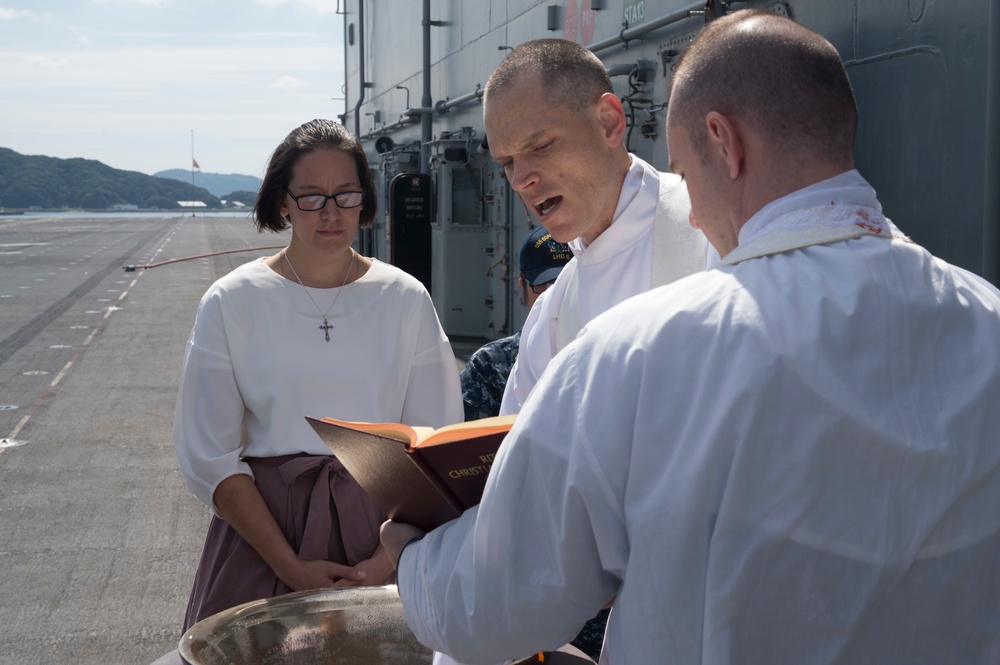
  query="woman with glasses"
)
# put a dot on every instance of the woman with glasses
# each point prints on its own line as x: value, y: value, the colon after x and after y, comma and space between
x: 314, y: 330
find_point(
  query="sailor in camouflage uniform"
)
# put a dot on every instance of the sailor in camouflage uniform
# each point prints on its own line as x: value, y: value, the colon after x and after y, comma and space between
x: 485, y: 374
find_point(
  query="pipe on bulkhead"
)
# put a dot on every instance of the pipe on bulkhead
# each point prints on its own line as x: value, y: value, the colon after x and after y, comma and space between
x: 361, y: 67
x: 428, y: 108
x: 991, y: 204
x: 365, y: 236
x: 445, y: 105
x: 426, y: 120
x: 633, y: 33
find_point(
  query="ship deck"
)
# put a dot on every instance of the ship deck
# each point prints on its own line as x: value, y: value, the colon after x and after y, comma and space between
x: 100, y: 538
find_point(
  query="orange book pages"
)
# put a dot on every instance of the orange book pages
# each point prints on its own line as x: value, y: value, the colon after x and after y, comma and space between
x: 427, y: 483
x: 467, y: 430
x: 398, y: 431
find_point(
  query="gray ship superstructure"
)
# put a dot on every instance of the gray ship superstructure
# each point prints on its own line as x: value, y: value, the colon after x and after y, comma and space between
x: 926, y: 75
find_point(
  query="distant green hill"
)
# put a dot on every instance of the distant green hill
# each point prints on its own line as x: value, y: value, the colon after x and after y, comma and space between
x: 218, y: 184
x: 244, y: 197
x: 47, y: 182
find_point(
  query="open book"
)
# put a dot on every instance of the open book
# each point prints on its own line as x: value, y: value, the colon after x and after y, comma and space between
x: 418, y: 475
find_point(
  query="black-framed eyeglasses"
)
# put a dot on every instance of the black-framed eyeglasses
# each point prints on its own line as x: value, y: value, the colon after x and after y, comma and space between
x: 539, y: 289
x: 313, y: 202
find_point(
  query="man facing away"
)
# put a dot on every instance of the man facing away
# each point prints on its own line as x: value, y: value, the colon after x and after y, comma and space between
x: 556, y: 127
x: 540, y: 261
x: 789, y: 459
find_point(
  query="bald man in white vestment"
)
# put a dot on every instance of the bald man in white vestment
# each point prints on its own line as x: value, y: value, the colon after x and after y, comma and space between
x: 557, y: 128
x: 789, y: 459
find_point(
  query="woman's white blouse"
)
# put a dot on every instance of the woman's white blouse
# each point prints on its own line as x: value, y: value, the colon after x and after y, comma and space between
x: 257, y: 364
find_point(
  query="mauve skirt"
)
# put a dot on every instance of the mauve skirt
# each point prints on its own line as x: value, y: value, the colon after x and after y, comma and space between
x: 319, y: 507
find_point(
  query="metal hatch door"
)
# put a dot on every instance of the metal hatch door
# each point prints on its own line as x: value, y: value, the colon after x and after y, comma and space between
x: 460, y: 246
x: 410, y: 215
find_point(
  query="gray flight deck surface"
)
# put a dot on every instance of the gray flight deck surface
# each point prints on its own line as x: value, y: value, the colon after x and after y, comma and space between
x: 99, y: 538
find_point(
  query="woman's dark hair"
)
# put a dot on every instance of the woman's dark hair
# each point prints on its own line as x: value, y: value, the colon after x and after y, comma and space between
x: 310, y: 136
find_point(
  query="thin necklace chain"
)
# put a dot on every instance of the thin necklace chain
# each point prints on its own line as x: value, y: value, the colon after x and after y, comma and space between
x: 326, y: 326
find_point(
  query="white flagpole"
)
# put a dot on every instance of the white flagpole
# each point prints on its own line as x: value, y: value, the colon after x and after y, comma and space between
x: 192, y: 173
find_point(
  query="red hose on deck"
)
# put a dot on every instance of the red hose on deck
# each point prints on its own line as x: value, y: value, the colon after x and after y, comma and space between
x: 131, y: 268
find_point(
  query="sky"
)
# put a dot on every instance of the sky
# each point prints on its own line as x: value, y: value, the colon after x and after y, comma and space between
x: 130, y: 82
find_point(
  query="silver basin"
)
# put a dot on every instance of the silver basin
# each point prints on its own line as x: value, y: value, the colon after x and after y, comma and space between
x: 362, y: 625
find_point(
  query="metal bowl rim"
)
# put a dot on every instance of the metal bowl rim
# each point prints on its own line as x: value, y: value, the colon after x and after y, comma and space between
x: 300, y: 602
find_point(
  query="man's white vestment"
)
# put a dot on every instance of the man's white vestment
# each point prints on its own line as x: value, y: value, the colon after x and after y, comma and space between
x: 790, y: 459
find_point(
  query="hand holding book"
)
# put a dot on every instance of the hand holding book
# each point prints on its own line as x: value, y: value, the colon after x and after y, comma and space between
x: 418, y: 476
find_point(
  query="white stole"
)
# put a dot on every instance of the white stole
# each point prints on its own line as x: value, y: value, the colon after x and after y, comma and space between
x: 815, y: 226
x: 678, y: 251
